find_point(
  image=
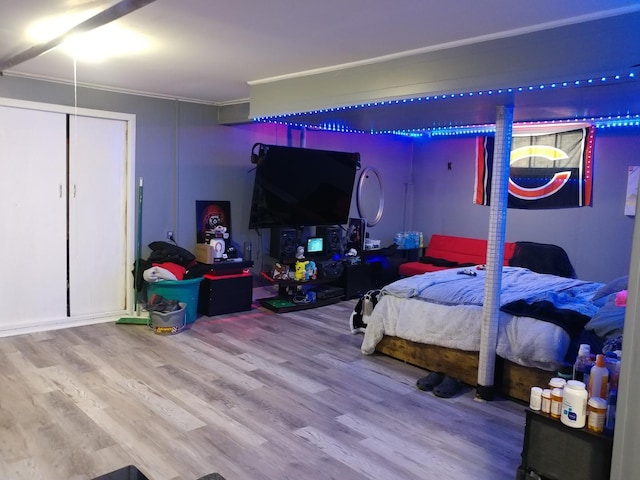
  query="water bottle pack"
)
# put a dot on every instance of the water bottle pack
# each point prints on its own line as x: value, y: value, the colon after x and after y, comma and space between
x: 408, y: 240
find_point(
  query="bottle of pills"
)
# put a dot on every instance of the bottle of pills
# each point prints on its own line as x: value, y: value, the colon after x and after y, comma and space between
x: 557, y: 382
x: 546, y: 401
x: 597, y: 414
x: 574, y: 404
x: 556, y: 403
x: 535, y: 400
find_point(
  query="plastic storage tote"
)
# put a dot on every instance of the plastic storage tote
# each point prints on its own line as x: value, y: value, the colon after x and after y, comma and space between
x: 185, y: 291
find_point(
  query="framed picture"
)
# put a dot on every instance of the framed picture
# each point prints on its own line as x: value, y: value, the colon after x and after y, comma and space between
x: 213, y: 220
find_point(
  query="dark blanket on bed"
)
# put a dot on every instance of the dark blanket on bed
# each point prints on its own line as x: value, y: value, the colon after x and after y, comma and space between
x: 571, y: 321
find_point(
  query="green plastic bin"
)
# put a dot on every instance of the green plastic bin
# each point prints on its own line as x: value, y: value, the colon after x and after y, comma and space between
x: 185, y: 291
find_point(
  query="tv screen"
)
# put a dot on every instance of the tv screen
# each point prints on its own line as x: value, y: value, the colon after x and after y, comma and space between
x: 297, y: 187
x: 315, y: 245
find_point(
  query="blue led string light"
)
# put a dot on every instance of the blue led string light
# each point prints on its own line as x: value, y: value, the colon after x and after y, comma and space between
x: 631, y: 120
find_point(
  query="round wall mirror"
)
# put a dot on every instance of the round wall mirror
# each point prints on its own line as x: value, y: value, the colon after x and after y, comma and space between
x: 370, y: 196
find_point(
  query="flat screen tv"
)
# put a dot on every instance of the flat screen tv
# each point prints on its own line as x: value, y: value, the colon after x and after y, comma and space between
x: 297, y: 187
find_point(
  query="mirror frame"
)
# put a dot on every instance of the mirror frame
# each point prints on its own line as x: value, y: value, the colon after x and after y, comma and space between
x: 366, y: 172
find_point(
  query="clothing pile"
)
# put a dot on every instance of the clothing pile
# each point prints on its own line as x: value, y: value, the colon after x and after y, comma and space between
x: 166, y: 262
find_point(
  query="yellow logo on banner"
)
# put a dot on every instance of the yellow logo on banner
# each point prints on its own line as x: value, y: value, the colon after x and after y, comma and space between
x: 558, y: 180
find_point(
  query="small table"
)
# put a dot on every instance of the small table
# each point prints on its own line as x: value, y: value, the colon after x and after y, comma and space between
x: 555, y: 451
x: 221, y: 294
x: 126, y: 473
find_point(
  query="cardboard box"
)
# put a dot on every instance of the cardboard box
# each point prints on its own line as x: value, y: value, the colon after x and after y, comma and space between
x: 204, y: 253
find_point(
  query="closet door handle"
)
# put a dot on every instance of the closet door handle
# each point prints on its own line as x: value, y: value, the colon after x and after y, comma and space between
x: 74, y: 190
x: 60, y: 188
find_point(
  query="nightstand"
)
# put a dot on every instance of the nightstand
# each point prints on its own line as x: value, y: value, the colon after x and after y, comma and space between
x: 554, y: 451
x: 220, y: 294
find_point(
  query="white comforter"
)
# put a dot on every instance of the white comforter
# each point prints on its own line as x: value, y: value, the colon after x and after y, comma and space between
x: 403, y: 311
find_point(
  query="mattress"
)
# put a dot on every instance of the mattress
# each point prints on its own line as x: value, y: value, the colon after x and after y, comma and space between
x: 445, y: 309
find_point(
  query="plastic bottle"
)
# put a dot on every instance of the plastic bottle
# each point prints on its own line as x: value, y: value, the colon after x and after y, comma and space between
x: 587, y: 372
x: 599, y: 379
x: 546, y: 401
x: 556, y: 403
x: 597, y: 414
x: 574, y: 404
x: 612, y: 363
x: 610, y: 421
x: 565, y: 371
x: 583, y: 358
x: 535, y: 401
x: 557, y: 382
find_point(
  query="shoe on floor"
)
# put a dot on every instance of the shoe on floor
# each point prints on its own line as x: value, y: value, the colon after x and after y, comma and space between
x: 448, y: 388
x: 430, y: 381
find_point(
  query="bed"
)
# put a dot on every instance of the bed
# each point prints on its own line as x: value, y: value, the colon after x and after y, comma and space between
x: 433, y: 320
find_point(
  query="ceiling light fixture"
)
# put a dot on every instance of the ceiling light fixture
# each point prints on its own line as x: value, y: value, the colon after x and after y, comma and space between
x: 112, y: 13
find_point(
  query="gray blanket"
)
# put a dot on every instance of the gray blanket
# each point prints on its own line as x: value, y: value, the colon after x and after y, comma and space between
x: 448, y: 287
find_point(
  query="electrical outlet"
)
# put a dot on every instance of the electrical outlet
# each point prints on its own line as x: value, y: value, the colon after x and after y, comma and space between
x: 169, y: 235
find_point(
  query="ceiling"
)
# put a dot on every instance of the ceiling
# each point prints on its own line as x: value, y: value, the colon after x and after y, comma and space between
x: 286, y: 56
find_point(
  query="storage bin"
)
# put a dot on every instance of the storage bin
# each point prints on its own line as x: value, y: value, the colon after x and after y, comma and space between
x: 185, y: 291
x: 167, y: 323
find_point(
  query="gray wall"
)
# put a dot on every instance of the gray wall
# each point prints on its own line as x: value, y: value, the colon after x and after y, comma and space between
x: 184, y: 156
x: 597, y: 239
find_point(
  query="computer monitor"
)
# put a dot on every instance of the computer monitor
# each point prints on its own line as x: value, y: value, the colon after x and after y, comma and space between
x: 315, y: 246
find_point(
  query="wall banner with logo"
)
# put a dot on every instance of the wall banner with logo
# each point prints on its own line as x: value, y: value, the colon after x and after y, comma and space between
x: 547, y: 170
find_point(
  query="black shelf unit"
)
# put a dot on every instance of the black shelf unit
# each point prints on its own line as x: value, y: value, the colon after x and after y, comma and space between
x: 283, y: 302
x: 554, y: 451
x: 282, y: 305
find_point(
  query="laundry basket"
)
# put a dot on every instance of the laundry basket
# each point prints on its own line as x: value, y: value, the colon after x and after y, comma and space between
x: 185, y: 291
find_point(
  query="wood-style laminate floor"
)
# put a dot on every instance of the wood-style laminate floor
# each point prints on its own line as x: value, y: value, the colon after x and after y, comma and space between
x: 253, y: 395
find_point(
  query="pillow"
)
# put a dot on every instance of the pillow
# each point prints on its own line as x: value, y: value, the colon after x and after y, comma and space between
x: 613, y: 286
x: 608, y: 321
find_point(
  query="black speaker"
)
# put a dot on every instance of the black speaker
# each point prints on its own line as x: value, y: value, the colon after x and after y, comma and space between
x: 284, y: 242
x: 329, y: 269
x: 332, y: 239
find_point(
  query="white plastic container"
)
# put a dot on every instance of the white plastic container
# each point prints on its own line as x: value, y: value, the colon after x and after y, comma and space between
x: 535, y: 399
x: 574, y: 404
x: 599, y: 379
x: 584, y: 356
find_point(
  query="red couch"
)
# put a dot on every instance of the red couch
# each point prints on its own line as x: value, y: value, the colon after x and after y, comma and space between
x: 446, y: 251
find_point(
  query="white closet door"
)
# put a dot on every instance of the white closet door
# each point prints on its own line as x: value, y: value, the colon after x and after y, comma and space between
x: 97, y: 215
x: 33, y: 283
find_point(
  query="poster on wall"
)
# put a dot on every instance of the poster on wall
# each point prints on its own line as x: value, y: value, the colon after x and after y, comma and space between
x: 547, y: 170
x: 633, y: 176
x: 213, y: 220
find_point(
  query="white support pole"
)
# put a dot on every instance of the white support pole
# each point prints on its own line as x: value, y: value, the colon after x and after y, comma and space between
x: 495, y: 252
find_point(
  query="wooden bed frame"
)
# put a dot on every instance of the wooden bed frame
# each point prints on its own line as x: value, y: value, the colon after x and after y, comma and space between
x: 511, y: 380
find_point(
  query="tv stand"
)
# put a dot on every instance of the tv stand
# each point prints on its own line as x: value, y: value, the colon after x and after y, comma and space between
x: 290, y: 297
